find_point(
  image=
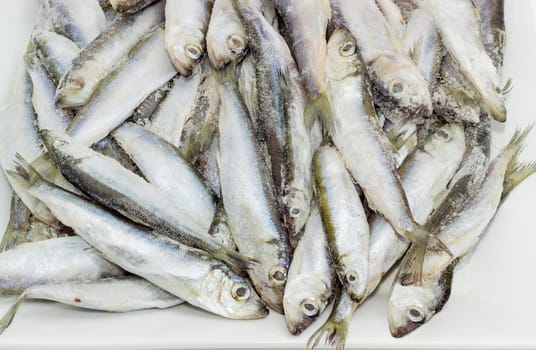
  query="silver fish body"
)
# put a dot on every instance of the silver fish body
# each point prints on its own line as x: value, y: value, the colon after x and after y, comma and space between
x: 55, y: 52
x: 55, y: 260
x: 458, y: 24
x: 308, y: 21
x: 120, y: 93
x: 394, y: 16
x: 80, y: 21
x: 396, y: 78
x: 177, y: 178
x: 425, y: 176
x: 492, y: 29
x: 188, y: 273
x: 344, y: 220
x: 104, y: 54
x: 413, y: 304
x: 355, y: 132
x: 110, y: 184
x: 249, y: 199
x: 311, y: 277
x: 186, y: 27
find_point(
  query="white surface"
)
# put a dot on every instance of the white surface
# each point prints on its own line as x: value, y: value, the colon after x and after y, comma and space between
x: 493, y: 301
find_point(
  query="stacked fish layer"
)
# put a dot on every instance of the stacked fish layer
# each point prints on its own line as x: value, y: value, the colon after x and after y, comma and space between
x: 243, y: 156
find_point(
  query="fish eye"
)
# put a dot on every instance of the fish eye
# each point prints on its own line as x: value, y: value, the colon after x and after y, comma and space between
x: 240, y: 292
x: 415, y: 314
x: 347, y: 49
x: 295, y: 212
x: 278, y: 275
x: 443, y: 135
x: 351, y: 277
x: 194, y: 51
x: 309, y: 307
x: 396, y: 87
x: 236, y: 44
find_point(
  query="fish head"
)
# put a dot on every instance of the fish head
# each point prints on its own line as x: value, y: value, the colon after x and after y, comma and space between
x: 229, y: 49
x: 231, y: 296
x: 447, y: 142
x: 342, y: 58
x: 72, y: 91
x: 297, y: 209
x: 409, y: 308
x: 186, y: 48
x: 399, y: 80
x: 304, y: 302
x: 412, y: 304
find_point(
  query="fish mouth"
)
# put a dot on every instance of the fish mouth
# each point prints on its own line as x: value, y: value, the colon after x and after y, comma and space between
x: 296, y: 328
x: 408, y: 327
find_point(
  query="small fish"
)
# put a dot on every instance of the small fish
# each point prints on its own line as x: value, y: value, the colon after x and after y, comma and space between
x: 425, y: 175
x: 308, y: 21
x: 368, y: 156
x: 396, y: 79
x: 311, y: 278
x: 121, y: 91
x: 226, y: 38
x: 187, y: 273
x: 249, y: 199
x: 344, y: 219
x: 492, y: 29
x: 413, y: 304
x: 130, y: 6
x: 458, y: 24
x: 110, y: 294
x: 105, y: 54
x: 186, y: 27
x: 110, y: 184
x: 80, y: 21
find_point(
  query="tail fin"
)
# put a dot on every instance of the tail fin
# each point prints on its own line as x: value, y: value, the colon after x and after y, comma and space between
x: 332, y: 333
x: 25, y: 175
x: 422, y: 237
x: 516, y: 173
x: 6, y: 320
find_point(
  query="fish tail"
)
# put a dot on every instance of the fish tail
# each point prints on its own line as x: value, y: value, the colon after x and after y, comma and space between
x: 321, y: 109
x: 25, y: 175
x: 331, y: 333
x: 6, y: 320
x: 422, y: 237
x: 515, y: 175
x: 239, y: 263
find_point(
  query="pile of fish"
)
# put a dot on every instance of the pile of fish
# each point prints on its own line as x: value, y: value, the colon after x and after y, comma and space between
x: 247, y: 155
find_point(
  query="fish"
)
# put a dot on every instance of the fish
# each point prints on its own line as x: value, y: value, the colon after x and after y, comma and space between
x: 49, y: 116
x: 120, y: 93
x: 20, y: 134
x: 226, y: 38
x: 130, y: 6
x: 107, y: 182
x: 19, y: 221
x: 492, y: 29
x: 344, y: 220
x: 187, y: 273
x: 354, y: 130
x: 186, y: 27
x: 393, y: 15
x: 311, y: 277
x: 459, y: 27
x: 247, y: 85
x: 308, y: 21
x: 55, y: 52
x: 104, y: 55
x: 55, y: 260
x: 249, y: 198
x: 150, y: 152
x: 145, y: 110
x: 397, y: 82
x: 110, y: 294
x: 81, y: 22
x: 425, y: 176
x: 413, y: 304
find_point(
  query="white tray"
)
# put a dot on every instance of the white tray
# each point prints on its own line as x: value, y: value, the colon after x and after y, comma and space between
x: 493, y: 301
